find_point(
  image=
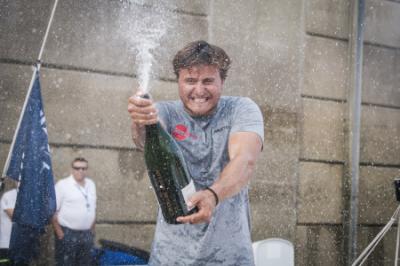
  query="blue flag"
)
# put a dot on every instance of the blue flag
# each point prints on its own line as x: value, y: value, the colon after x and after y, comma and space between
x: 30, y: 163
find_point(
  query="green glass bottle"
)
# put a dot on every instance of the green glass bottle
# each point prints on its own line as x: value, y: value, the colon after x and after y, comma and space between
x: 168, y: 173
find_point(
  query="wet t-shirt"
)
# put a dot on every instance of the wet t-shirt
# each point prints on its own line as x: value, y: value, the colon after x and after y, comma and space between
x: 204, y: 144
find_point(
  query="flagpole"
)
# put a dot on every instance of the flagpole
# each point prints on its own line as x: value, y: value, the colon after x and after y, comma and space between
x: 46, y: 34
x: 37, y: 68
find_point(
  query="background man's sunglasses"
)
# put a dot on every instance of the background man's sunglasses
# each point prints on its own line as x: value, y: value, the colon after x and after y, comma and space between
x: 79, y: 168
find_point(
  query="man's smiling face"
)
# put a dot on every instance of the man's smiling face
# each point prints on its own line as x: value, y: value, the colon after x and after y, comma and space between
x: 200, y: 89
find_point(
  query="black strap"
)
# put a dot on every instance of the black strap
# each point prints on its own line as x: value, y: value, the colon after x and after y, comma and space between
x: 215, y: 195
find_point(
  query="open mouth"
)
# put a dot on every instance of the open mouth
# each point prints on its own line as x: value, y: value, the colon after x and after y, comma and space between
x: 199, y: 100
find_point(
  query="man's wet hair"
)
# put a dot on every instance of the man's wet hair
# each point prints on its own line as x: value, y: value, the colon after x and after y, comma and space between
x: 201, y: 53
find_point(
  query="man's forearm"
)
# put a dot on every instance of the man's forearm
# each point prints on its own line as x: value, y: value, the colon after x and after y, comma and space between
x: 56, y: 226
x: 234, y: 177
x: 138, y: 135
x: 93, y: 227
x: 9, y: 212
x: 244, y: 150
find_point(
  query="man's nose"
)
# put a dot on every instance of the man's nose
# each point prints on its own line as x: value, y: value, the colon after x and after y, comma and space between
x: 198, y: 87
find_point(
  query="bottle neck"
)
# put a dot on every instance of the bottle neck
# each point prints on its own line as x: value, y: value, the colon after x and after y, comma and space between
x: 152, y: 130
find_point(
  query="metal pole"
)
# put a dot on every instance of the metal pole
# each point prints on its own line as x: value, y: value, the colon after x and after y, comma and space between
x: 371, y: 246
x: 396, y: 259
x: 353, y: 128
x: 37, y: 68
x: 53, y: 11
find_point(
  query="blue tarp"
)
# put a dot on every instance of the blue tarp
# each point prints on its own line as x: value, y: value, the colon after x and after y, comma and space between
x: 113, y: 253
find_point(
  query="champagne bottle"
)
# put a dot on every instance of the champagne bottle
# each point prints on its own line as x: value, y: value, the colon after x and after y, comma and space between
x: 168, y: 173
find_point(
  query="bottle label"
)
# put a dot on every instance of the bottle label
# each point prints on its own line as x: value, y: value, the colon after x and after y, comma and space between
x: 188, y: 191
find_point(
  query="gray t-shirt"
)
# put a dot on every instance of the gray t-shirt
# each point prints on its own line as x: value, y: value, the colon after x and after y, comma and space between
x: 204, y: 144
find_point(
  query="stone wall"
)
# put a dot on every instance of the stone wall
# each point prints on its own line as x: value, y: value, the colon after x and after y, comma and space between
x: 323, y: 136
x: 289, y: 56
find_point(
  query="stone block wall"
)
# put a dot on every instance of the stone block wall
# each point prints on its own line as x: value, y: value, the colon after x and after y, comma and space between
x: 322, y: 156
x: 291, y: 57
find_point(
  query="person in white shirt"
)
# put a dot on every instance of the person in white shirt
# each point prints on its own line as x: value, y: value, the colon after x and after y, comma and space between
x: 74, y: 220
x: 7, y: 204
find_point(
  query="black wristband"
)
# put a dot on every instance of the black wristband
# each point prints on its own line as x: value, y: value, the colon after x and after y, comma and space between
x: 215, y: 195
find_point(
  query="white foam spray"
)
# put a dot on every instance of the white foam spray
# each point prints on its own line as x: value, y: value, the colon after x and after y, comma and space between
x: 146, y: 27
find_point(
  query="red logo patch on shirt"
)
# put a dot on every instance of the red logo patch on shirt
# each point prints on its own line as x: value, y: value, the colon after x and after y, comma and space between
x: 181, y: 133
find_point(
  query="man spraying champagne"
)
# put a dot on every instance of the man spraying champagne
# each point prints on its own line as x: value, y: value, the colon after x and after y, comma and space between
x: 221, y: 138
